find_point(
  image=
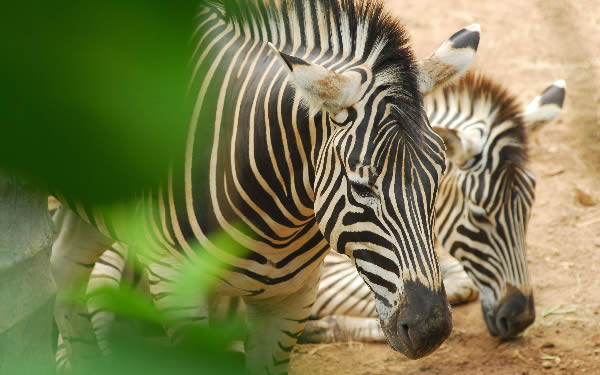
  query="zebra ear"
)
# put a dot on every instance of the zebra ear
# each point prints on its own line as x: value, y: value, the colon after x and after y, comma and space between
x: 547, y: 106
x: 451, y: 60
x: 460, y: 146
x: 321, y: 87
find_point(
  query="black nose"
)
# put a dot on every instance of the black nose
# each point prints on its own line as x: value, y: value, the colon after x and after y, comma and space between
x: 421, y: 323
x: 514, y: 313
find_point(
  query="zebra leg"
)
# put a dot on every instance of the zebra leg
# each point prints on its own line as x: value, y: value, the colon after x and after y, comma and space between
x: 275, y: 325
x: 107, y: 273
x: 63, y: 363
x: 178, y: 314
x: 77, y: 247
x: 342, y: 328
x: 459, y: 286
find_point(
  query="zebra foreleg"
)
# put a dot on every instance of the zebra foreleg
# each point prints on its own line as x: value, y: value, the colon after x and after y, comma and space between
x: 77, y: 248
x: 274, y: 328
x: 107, y: 274
x: 342, y: 328
x: 179, y: 313
x: 459, y: 286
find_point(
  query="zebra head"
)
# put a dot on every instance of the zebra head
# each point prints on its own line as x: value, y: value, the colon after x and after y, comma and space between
x: 486, y: 197
x: 378, y: 166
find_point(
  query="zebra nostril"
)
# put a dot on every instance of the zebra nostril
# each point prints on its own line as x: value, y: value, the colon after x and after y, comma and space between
x: 404, y: 333
x: 503, y: 325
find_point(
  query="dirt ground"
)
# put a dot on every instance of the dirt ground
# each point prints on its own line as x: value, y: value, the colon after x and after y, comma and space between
x: 526, y: 45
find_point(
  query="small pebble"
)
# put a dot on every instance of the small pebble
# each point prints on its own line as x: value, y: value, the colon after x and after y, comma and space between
x: 548, y: 345
x: 547, y: 364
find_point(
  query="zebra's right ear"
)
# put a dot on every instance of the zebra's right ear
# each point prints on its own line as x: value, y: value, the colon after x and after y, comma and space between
x: 451, y: 60
x: 547, y: 106
x: 461, y: 146
x: 321, y: 87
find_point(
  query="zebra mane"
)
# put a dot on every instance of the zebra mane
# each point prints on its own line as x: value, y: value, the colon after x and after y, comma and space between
x: 360, y: 30
x: 500, y: 106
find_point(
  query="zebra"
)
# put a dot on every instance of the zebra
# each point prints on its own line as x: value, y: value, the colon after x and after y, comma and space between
x: 319, y: 140
x: 482, y: 211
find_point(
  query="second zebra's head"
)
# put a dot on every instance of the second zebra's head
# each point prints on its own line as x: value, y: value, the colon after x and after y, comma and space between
x: 486, y: 197
x: 377, y: 166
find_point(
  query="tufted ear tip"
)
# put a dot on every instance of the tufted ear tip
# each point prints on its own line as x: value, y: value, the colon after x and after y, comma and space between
x: 547, y: 106
x: 467, y: 37
x: 451, y: 60
x: 290, y: 61
x: 560, y: 83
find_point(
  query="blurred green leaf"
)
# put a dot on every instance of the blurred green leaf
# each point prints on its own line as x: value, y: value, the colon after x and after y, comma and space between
x: 93, y: 93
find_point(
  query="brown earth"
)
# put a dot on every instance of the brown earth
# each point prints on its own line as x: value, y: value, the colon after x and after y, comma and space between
x: 526, y: 45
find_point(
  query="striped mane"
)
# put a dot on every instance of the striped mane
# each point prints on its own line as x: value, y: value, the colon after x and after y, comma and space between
x: 356, y: 31
x: 499, y: 106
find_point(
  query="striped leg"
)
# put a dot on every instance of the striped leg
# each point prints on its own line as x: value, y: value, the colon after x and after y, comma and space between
x: 107, y: 273
x: 77, y: 248
x: 342, y: 328
x: 275, y: 326
x: 179, y: 314
x: 459, y: 286
x: 63, y: 363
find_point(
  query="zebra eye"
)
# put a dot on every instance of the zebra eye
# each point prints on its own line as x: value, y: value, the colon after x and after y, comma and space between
x: 363, y: 191
x: 340, y: 117
x: 344, y: 117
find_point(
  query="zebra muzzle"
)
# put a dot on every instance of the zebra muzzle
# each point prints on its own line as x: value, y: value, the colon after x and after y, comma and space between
x: 421, y: 323
x: 514, y: 313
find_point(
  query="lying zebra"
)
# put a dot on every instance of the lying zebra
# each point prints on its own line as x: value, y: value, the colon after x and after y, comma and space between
x: 344, y: 309
x: 308, y: 132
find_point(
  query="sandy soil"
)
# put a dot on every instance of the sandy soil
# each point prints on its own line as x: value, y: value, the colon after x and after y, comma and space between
x: 526, y: 45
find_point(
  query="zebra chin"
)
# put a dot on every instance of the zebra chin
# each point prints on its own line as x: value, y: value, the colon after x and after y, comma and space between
x: 421, y: 323
x: 512, y: 315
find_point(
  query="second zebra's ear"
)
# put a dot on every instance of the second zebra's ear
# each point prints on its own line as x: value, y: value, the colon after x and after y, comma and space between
x: 461, y: 146
x: 451, y: 60
x: 547, y: 106
x: 321, y: 87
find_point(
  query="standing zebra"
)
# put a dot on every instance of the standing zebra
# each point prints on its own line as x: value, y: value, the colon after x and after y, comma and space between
x: 319, y: 140
x: 482, y: 211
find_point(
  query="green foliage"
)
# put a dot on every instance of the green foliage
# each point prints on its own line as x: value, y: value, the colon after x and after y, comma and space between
x: 139, y: 345
x: 93, y: 94
x: 201, y: 349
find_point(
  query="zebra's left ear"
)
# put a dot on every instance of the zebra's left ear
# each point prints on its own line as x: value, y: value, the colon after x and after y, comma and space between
x: 451, y: 60
x: 461, y: 146
x: 321, y: 87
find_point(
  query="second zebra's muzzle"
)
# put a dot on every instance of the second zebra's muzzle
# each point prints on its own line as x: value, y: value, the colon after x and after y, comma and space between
x: 514, y: 313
